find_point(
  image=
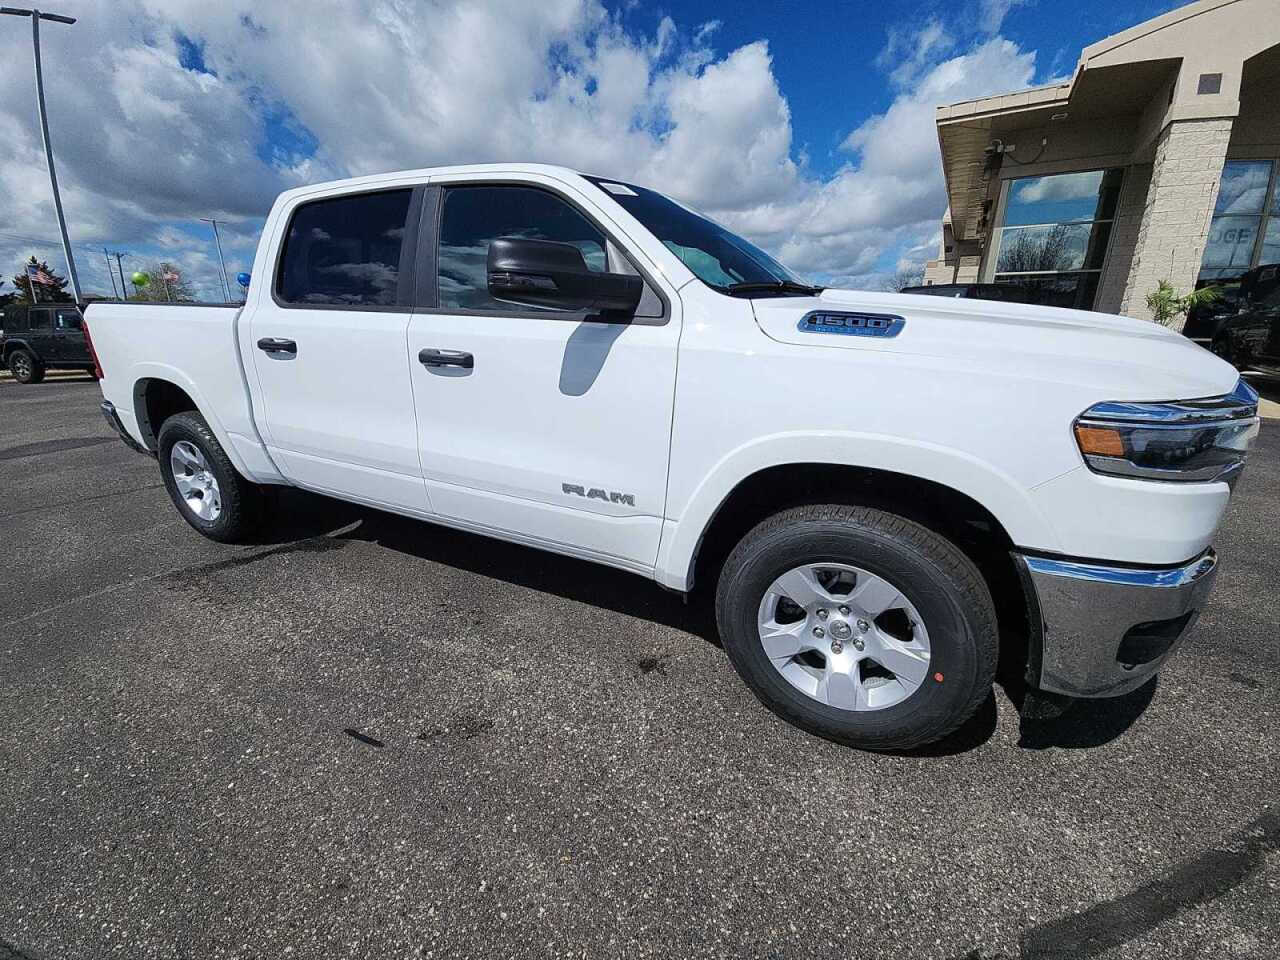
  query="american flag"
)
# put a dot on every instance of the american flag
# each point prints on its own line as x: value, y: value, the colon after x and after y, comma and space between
x: 37, y: 275
x: 171, y: 276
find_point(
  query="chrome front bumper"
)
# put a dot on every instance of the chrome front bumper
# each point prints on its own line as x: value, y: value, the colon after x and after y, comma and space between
x: 1104, y: 630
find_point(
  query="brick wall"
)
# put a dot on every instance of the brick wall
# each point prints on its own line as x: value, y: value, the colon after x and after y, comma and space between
x: 1179, y: 205
x: 1124, y: 238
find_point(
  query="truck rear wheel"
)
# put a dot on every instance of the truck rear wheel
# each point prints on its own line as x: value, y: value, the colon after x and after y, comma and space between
x: 858, y: 625
x: 203, y: 483
x: 25, y: 366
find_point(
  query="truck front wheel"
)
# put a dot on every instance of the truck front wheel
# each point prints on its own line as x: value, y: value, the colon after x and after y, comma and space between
x: 858, y: 625
x: 203, y: 483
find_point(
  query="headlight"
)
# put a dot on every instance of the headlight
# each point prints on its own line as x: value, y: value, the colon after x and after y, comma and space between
x: 1192, y: 441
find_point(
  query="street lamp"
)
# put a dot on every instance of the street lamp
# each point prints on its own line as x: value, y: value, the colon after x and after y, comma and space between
x: 226, y: 288
x: 36, y: 16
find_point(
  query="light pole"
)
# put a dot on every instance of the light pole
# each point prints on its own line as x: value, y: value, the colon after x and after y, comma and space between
x: 107, y: 257
x: 36, y: 16
x: 124, y: 292
x: 226, y: 288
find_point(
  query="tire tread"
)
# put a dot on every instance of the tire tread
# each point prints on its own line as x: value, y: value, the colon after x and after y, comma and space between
x: 934, y: 549
x: 241, y: 499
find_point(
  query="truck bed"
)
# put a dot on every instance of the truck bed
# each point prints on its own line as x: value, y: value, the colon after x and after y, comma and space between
x: 201, y: 357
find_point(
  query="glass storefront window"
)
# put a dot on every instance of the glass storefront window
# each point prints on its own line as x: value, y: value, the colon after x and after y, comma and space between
x: 1231, y: 242
x: 1243, y: 187
x: 1044, y: 248
x: 1062, y: 198
x: 1053, y: 238
x: 1241, y: 235
x: 1271, y: 241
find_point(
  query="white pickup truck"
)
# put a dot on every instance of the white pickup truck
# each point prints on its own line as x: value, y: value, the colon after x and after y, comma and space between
x: 878, y: 487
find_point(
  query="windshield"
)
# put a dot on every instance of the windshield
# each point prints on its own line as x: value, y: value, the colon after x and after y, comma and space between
x: 719, y: 258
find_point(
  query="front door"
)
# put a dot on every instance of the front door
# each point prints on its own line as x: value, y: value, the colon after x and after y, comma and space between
x: 550, y: 426
x: 328, y: 349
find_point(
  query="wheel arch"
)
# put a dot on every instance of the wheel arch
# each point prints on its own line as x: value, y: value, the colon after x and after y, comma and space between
x: 160, y: 391
x: 155, y: 399
x: 18, y: 343
x: 772, y: 489
x: 948, y: 511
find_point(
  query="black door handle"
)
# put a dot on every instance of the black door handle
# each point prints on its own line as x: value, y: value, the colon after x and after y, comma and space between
x: 446, y: 358
x: 277, y: 345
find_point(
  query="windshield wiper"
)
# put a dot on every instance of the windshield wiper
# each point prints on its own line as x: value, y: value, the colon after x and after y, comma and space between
x: 773, y: 286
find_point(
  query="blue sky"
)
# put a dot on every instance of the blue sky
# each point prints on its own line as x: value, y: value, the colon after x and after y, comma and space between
x: 825, y: 52
x: 806, y: 126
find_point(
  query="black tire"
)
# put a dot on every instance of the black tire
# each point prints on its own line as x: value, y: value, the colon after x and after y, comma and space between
x: 25, y: 366
x: 943, y: 585
x: 241, y: 513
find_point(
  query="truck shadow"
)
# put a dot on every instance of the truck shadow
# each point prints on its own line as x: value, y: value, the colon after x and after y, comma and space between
x: 301, y: 517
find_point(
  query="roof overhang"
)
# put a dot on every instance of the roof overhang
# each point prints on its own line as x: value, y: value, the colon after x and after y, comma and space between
x: 1129, y: 85
x: 968, y: 132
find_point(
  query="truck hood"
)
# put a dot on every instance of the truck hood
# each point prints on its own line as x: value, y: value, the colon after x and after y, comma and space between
x: 1119, y: 357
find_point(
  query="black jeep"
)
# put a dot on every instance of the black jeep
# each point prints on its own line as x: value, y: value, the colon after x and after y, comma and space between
x: 39, y: 337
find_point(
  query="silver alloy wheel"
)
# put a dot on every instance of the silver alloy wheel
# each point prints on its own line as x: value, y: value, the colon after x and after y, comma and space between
x: 21, y: 366
x: 844, y: 636
x: 195, y: 481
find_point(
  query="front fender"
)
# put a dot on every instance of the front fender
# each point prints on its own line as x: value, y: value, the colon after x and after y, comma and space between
x: 1011, y: 504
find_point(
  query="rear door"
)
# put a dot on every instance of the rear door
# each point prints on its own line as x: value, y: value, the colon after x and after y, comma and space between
x: 328, y: 348
x: 68, y: 344
x: 554, y: 426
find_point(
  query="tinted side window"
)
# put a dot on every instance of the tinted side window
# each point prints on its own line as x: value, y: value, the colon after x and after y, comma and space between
x: 67, y: 319
x: 38, y: 318
x: 13, y: 319
x: 345, y: 250
x: 473, y: 216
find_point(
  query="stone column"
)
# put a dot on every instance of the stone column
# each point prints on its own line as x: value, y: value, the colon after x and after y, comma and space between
x: 1130, y: 209
x: 1175, y: 220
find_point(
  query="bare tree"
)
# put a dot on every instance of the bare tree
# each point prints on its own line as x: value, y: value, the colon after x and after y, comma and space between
x: 1037, y: 251
x: 160, y: 289
x: 907, y: 275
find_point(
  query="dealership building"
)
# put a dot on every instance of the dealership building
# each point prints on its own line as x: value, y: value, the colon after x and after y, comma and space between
x: 1156, y: 161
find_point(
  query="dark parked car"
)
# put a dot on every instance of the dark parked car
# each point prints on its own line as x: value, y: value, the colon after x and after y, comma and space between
x: 39, y: 337
x: 1251, y: 338
x: 1204, y: 322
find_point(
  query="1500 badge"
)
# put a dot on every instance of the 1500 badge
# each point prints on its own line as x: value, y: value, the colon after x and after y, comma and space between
x: 852, y: 324
x: 595, y: 493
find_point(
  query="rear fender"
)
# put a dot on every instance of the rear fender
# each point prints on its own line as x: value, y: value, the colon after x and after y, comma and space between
x: 137, y: 405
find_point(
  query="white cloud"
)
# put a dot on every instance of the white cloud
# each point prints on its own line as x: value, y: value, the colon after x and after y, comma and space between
x: 908, y: 51
x: 1069, y: 186
x: 991, y: 13
x: 144, y: 144
x: 706, y: 30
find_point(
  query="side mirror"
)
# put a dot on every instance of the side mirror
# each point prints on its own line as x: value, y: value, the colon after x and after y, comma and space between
x: 545, y: 273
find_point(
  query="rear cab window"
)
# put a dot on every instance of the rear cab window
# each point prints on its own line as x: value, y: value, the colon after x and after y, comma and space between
x: 345, y: 251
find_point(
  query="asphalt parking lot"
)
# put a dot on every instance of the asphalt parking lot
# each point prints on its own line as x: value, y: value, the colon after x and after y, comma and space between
x: 371, y: 737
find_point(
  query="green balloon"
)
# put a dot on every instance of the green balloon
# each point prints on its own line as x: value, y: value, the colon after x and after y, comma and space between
x: 140, y: 279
